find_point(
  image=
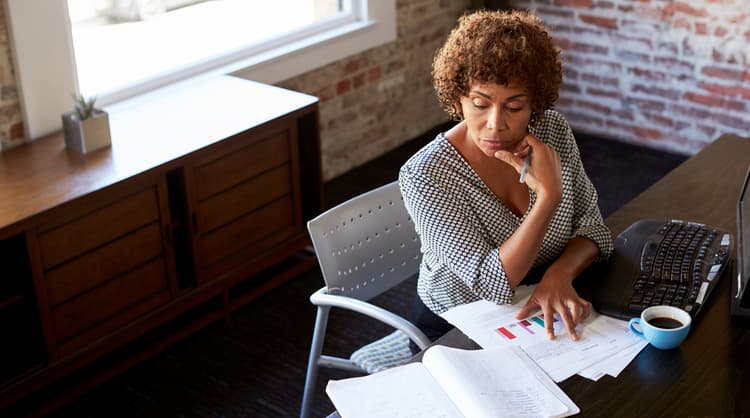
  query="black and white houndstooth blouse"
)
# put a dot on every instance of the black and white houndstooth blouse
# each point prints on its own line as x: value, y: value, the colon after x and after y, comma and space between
x: 462, y: 224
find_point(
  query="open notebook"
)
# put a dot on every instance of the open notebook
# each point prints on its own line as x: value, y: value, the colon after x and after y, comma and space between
x: 454, y: 383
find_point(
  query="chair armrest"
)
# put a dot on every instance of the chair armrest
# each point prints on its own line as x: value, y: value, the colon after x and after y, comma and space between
x: 321, y: 297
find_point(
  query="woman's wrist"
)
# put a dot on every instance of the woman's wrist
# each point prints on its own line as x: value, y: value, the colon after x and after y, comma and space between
x: 547, y: 203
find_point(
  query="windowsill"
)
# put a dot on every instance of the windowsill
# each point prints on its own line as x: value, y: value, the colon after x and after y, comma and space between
x: 281, y: 63
x: 45, y: 95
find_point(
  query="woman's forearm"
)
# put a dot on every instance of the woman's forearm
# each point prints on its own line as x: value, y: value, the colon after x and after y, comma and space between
x: 577, y: 256
x: 518, y: 252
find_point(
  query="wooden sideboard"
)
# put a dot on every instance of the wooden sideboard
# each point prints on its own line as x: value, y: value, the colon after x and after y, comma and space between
x: 198, y: 206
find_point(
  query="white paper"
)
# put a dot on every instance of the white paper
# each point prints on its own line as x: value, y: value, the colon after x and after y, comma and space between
x: 400, y: 392
x: 452, y: 382
x: 605, y: 345
x: 497, y: 383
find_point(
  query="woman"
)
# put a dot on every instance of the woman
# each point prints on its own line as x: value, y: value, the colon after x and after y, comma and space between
x: 484, y: 225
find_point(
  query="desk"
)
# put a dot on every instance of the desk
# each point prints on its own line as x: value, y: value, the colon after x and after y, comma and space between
x: 709, y: 375
x: 197, y: 207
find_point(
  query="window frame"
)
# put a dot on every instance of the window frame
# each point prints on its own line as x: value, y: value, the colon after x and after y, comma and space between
x: 45, y: 67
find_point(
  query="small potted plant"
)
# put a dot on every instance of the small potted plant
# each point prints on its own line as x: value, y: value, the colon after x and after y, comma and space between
x: 87, y: 128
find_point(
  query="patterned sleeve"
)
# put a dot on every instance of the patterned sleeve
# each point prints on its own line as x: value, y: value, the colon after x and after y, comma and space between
x: 450, y: 232
x: 587, y: 220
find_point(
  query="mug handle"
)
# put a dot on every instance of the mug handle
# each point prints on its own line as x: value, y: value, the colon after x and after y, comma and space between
x: 635, y: 331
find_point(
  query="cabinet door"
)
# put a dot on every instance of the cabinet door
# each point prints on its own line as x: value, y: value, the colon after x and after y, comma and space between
x: 105, y: 262
x: 246, y: 198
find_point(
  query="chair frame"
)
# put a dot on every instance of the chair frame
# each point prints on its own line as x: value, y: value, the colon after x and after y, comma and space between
x: 343, y: 237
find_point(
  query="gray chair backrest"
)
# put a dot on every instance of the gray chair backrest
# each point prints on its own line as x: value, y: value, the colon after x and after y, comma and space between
x: 367, y: 244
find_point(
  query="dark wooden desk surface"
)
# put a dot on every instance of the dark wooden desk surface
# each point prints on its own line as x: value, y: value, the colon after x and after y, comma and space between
x: 709, y: 374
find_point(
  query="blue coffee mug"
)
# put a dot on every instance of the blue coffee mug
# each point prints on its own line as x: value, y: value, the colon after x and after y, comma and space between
x: 665, y: 327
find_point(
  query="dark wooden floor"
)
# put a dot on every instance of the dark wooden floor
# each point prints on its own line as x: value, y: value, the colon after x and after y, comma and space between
x: 255, y: 367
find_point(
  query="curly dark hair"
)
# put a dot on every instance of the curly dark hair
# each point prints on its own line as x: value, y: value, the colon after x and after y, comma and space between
x: 500, y: 47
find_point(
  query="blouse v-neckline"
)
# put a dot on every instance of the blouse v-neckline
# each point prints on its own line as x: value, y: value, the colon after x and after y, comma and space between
x: 532, y: 196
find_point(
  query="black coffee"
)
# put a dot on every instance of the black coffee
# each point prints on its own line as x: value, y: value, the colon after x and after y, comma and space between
x: 665, y: 323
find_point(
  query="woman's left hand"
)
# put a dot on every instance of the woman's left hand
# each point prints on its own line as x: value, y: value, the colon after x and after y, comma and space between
x: 556, y: 294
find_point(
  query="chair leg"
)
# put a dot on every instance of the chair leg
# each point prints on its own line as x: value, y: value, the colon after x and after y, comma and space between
x: 321, y: 321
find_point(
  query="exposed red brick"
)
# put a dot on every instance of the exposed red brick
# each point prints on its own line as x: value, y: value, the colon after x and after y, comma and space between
x: 555, y: 11
x: 563, y: 43
x: 604, y: 81
x: 701, y: 28
x: 604, y: 93
x: 374, y: 73
x: 692, y: 112
x: 705, y: 99
x: 590, y: 48
x: 575, y: 3
x: 595, y: 107
x: 647, y: 74
x: 354, y: 65
x: 723, y: 73
x: 624, y: 114
x: 16, y: 131
x: 726, y: 90
x: 736, y: 105
x: 604, y: 22
x: 660, y: 119
x: 359, y: 80
x: 684, y: 7
x: 325, y: 94
x: 565, y: 102
x: 343, y: 86
x: 648, y: 133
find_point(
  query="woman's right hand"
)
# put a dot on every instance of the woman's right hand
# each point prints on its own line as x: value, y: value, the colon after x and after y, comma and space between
x: 544, y: 175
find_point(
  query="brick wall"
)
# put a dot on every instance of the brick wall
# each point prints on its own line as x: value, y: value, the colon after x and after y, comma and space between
x: 668, y: 74
x: 376, y: 100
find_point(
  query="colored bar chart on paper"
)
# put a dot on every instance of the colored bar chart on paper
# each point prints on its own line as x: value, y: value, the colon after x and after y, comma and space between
x: 526, y: 329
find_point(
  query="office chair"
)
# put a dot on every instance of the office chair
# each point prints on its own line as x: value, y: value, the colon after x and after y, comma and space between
x: 364, y: 246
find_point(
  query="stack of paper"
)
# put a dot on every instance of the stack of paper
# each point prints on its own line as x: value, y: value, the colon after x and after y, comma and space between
x: 499, y: 382
x: 605, y: 345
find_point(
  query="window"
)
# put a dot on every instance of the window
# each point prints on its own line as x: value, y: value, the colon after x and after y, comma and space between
x: 113, y: 49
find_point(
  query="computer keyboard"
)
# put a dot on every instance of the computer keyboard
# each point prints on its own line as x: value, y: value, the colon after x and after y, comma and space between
x: 679, y: 264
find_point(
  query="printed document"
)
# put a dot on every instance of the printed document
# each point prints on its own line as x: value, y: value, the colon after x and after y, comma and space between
x: 605, y: 345
x: 450, y: 382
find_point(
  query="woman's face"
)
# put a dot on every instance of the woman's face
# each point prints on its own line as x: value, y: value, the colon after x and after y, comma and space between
x: 496, y: 116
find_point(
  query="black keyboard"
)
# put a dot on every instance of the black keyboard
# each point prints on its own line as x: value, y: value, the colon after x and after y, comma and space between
x: 679, y: 265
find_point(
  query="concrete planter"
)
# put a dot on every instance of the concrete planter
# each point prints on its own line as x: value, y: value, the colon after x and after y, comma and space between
x: 86, y: 135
